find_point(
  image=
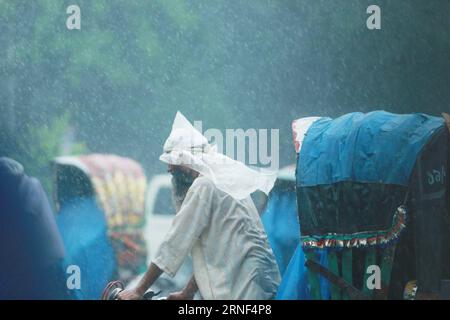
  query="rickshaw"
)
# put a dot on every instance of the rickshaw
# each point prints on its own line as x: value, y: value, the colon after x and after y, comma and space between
x: 373, y: 197
x: 100, y: 204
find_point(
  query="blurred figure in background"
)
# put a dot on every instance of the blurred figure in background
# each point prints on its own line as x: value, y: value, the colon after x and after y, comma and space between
x: 83, y: 229
x: 31, y: 249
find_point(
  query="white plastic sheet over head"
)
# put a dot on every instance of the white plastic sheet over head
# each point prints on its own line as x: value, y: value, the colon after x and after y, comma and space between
x: 188, y: 147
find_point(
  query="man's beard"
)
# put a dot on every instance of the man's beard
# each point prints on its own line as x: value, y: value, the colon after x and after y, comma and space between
x: 180, y: 188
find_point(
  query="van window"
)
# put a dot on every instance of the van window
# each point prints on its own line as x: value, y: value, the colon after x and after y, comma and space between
x: 164, y: 203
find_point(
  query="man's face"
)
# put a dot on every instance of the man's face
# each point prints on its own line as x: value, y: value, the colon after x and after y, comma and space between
x: 182, y: 174
x: 182, y: 179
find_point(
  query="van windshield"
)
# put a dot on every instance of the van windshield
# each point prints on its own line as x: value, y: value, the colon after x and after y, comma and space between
x: 164, y: 203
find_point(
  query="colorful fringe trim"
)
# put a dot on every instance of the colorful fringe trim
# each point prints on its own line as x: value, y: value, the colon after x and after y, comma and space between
x: 360, y: 239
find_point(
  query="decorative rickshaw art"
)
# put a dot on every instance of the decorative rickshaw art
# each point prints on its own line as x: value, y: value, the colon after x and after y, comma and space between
x: 118, y: 187
x: 372, y: 190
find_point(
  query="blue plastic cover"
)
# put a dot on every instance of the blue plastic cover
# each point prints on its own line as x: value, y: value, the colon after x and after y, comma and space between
x: 374, y: 147
x: 294, y: 284
x: 84, y: 231
x: 280, y: 221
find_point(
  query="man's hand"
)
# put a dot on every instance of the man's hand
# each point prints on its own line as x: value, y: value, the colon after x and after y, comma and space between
x: 187, y: 293
x: 181, y: 295
x: 131, y: 294
x: 147, y: 280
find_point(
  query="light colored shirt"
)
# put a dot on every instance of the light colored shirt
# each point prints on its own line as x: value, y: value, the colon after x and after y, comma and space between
x: 231, y: 255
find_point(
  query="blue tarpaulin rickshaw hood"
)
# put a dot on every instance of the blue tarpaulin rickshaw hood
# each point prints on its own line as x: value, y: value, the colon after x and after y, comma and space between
x: 379, y: 147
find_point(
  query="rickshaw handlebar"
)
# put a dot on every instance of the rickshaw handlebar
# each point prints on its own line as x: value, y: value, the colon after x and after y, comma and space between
x: 113, y: 289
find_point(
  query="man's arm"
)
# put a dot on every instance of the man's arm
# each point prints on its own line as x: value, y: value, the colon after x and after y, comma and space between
x: 147, y: 280
x: 187, y: 293
x: 187, y: 226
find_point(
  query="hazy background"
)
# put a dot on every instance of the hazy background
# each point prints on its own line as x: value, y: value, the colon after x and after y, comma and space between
x: 115, y: 85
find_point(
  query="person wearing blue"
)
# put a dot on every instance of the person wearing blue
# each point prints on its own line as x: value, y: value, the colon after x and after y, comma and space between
x: 31, y: 249
x: 84, y: 231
